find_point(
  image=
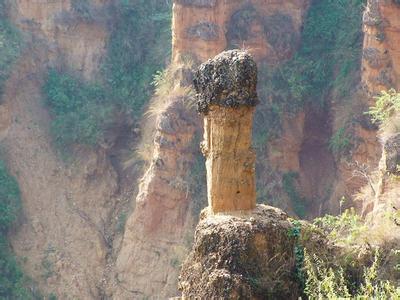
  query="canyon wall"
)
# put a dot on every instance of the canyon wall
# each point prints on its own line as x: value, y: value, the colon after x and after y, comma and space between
x: 156, y: 231
x: 381, y: 72
x: 66, y: 232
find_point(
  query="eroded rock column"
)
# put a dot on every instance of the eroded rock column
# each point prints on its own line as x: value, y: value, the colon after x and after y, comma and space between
x: 226, y: 94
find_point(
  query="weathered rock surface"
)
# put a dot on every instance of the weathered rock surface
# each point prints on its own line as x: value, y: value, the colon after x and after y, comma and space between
x: 241, y: 257
x: 381, y: 57
x: 226, y: 89
x: 268, y: 29
x: 392, y: 155
x: 228, y: 80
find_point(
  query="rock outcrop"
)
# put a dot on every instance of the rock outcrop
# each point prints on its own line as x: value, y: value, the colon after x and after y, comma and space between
x: 226, y: 95
x: 240, y: 251
x: 241, y: 257
x: 381, y: 54
x: 268, y: 29
x: 381, y: 71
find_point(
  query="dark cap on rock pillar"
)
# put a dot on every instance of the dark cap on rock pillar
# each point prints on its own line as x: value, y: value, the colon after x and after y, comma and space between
x: 226, y: 89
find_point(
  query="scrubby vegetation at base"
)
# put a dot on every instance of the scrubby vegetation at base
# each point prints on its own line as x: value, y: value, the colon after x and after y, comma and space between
x: 344, y: 263
x: 13, y: 283
x: 9, y: 44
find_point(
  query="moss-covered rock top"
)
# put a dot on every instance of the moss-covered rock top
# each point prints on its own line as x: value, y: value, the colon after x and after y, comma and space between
x: 229, y: 79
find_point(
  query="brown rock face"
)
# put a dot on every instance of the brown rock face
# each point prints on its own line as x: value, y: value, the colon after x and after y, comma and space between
x: 268, y: 29
x: 241, y: 257
x: 381, y: 55
x: 226, y: 87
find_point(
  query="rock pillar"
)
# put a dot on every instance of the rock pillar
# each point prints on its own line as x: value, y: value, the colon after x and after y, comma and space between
x: 226, y: 95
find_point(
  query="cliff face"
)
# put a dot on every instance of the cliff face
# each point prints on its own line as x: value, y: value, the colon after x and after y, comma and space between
x: 381, y: 71
x: 381, y: 55
x: 268, y: 29
x: 68, y: 210
x: 201, y: 29
x: 155, y: 236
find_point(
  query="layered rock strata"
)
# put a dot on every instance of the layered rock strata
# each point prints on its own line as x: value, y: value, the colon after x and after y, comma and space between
x: 226, y: 93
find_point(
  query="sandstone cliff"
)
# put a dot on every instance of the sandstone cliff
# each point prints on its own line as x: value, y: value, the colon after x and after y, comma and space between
x: 66, y: 232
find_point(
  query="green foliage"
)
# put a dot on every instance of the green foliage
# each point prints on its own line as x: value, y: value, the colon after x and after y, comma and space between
x: 330, y: 50
x: 328, y: 57
x: 13, y: 282
x: 289, y: 187
x: 295, y: 232
x: 82, y: 8
x: 387, y: 104
x: 10, y: 202
x: 10, y: 45
x: 81, y: 110
x: 328, y: 282
x: 340, y: 142
x: 346, y: 228
x: 137, y: 49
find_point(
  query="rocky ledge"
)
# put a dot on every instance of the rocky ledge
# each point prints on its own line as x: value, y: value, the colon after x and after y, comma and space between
x: 241, y: 256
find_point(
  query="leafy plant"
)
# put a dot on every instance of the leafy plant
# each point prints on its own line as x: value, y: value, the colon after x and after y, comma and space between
x: 346, y: 228
x: 10, y: 201
x: 340, y: 142
x: 137, y: 50
x: 10, y: 45
x: 13, y: 282
x: 331, y: 282
x: 387, y: 104
x: 289, y: 187
x: 82, y: 111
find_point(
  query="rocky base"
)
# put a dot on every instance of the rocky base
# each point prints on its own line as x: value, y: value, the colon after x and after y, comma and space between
x: 241, y: 256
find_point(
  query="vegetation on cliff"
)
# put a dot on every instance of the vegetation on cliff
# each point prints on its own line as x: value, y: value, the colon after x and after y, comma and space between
x: 9, y: 44
x: 136, y: 51
x: 13, y: 282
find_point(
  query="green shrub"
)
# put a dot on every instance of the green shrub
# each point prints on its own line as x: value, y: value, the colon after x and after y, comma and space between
x: 346, y: 228
x: 13, y: 282
x: 386, y: 105
x: 10, y: 202
x: 340, y: 142
x: 138, y: 48
x: 289, y: 186
x: 81, y: 111
x: 331, y: 282
x: 9, y: 45
x: 328, y: 57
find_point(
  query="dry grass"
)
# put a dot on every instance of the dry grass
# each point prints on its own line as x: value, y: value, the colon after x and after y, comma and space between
x: 168, y: 88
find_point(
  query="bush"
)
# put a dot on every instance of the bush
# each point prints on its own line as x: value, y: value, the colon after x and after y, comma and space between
x: 289, y: 186
x: 12, y: 279
x: 331, y: 282
x: 10, y: 202
x: 328, y: 57
x: 340, y: 142
x: 82, y: 111
x: 9, y: 45
x: 138, y: 48
x: 386, y: 105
